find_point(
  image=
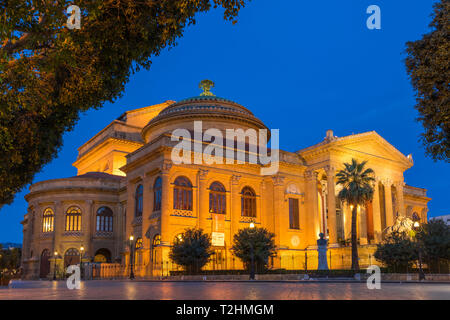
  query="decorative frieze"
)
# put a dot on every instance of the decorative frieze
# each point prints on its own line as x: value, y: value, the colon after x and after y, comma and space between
x: 137, y: 221
x: 183, y: 213
x: 104, y: 234
x: 73, y: 234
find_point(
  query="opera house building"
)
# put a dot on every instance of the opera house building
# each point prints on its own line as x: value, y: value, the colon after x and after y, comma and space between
x: 128, y: 184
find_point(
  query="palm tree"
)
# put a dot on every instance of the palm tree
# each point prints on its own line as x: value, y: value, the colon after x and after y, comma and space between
x: 357, y: 189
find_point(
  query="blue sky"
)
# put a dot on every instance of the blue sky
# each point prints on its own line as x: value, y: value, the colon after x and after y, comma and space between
x: 300, y: 66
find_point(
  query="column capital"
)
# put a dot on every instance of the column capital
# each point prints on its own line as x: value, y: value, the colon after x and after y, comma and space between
x: 399, y: 184
x: 166, y: 166
x: 202, y: 174
x: 311, y: 174
x: 235, y: 179
x: 278, y: 180
x: 90, y: 202
x: 330, y: 169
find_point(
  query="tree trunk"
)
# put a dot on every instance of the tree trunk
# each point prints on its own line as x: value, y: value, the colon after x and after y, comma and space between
x: 355, y: 262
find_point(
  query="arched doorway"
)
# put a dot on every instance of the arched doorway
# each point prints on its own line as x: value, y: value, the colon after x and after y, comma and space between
x: 71, y: 257
x: 45, y: 264
x: 102, y: 256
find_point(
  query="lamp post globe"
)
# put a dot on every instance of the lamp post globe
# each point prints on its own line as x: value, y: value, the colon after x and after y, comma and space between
x: 252, y: 255
x: 81, y: 260
x: 55, y: 254
x: 131, y: 258
x: 417, y: 228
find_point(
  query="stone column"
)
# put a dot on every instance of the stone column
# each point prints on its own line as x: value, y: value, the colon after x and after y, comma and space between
x: 165, y: 205
x: 348, y: 221
x: 331, y: 205
x: 58, y: 227
x: 131, y: 190
x: 118, y: 234
x: 401, y: 203
x: 279, y: 211
x: 88, y: 228
x: 362, y: 225
x: 34, y: 230
x: 203, y: 208
x: 312, y: 214
x: 376, y: 213
x: 388, y: 198
x: 263, y: 199
x: 146, y: 212
x: 235, y: 204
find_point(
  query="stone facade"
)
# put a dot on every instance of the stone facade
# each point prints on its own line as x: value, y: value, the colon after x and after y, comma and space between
x: 127, y: 168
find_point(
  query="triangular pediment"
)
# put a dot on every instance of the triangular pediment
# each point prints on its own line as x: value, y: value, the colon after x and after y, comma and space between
x: 367, y: 145
x: 372, y: 144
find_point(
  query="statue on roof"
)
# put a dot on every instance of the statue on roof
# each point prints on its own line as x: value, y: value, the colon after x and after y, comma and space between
x: 206, y: 85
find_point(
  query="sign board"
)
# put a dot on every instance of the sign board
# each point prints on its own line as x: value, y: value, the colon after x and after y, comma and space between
x: 218, y: 239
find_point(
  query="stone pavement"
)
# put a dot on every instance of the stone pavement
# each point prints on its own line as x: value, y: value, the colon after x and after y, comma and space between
x: 211, y: 290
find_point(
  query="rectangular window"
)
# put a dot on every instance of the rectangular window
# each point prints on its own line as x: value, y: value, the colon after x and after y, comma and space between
x: 294, y: 222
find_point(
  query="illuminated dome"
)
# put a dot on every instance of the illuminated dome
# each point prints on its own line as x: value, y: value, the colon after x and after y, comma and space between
x: 214, y: 112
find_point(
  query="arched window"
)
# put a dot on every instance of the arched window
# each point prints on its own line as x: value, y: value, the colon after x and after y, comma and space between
x: 71, y: 257
x: 73, y: 219
x: 156, y: 240
x: 138, y: 244
x: 157, y: 194
x: 102, y: 255
x: 248, y: 202
x: 139, y: 201
x: 415, y: 216
x: 104, y: 219
x: 182, y: 194
x: 47, y: 220
x: 217, y: 198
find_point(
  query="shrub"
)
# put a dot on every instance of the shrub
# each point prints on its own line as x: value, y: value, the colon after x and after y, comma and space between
x: 398, y: 252
x: 192, y: 250
x: 258, y: 240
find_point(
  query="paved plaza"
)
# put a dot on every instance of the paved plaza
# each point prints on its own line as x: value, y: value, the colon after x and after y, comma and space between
x: 212, y: 290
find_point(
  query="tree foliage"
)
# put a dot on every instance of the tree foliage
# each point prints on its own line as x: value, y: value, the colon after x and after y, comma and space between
x: 428, y: 65
x: 49, y: 73
x: 10, y: 258
x: 434, y: 237
x: 398, y: 252
x: 357, y: 189
x: 257, y: 240
x: 192, y: 250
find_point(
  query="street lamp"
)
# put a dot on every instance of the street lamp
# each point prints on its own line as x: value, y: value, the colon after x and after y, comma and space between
x: 131, y: 258
x: 81, y: 259
x: 54, y: 267
x: 417, y: 227
x: 252, y: 256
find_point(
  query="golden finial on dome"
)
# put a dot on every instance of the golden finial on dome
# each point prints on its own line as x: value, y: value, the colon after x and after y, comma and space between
x: 206, y: 85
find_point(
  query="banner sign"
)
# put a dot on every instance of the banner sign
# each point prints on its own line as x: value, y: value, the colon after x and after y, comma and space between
x: 218, y: 230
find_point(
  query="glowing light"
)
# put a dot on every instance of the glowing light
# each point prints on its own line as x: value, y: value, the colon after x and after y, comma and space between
x: 252, y: 225
x: 416, y: 224
x: 131, y: 238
